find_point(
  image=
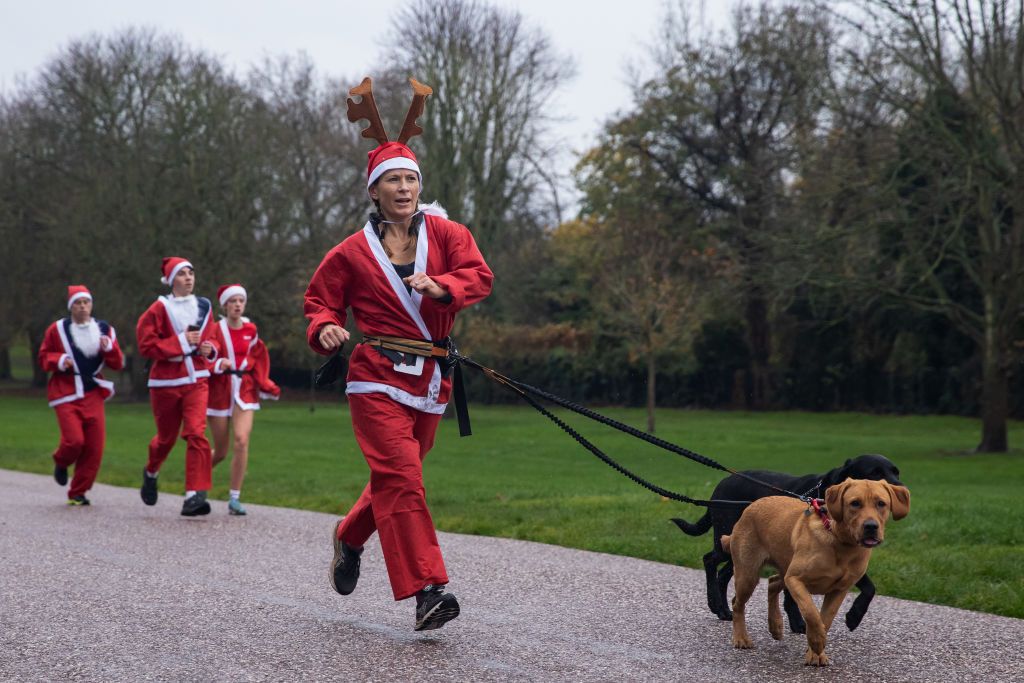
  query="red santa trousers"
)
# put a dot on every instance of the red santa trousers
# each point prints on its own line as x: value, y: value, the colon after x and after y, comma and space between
x: 394, y: 439
x: 182, y: 409
x: 82, y: 436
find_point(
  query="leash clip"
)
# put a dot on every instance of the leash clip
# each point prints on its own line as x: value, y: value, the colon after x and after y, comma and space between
x: 825, y: 521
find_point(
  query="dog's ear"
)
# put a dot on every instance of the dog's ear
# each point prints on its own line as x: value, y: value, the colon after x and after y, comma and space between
x: 899, y: 500
x: 834, y: 499
x: 841, y: 474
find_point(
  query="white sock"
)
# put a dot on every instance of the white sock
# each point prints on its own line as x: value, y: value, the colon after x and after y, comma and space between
x: 189, y: 494
x: 151, y: 475
x: 235, y: 494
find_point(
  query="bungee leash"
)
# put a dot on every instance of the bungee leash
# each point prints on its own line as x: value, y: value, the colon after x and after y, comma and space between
x: 451, y: 361
x: 528, y: 392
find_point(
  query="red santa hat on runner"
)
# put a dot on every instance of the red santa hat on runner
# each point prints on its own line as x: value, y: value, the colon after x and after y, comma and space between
x: 171, y: 266
x: 225, y: 292
x: 76, y: 292
x: 388, y: 155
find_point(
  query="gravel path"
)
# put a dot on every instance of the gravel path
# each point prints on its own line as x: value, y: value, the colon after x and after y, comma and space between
x: 120, y: 591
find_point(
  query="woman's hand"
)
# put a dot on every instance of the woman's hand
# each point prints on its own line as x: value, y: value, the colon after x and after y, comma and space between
x: 206, y: 349
x: 226, y: 364
x: 193, y: 337
x: 67, y: 364
x: 422, y: 283
x: 105, y: 343
x: 333, y: 336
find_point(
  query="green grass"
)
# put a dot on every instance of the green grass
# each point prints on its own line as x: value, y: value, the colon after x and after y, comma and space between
x: 520, y: 477
x: 21, y: 362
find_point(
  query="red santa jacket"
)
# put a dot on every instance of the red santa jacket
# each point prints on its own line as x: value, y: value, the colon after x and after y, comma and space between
x: 162, y: 340
x: 245, y: 390
x: 70, y: 385
x: 357, y: 273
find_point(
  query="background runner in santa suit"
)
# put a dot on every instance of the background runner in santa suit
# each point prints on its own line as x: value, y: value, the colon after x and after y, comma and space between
x: 241, y: 377
x: 176, y: 334
x: 406, y: 274
x: 75, y: 350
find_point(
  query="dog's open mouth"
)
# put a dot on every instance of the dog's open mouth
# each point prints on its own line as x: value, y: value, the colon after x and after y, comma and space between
x: 870, y: 542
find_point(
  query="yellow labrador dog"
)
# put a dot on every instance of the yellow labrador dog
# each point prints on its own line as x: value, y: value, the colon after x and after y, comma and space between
x: 816, y: 554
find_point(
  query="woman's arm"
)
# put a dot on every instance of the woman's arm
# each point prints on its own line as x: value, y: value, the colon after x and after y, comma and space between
x: 469, y: 279
x: 325, y: 301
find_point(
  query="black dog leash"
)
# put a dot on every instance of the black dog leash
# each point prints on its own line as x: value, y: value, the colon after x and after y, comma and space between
x: 446, y: 352
x: 527, y: 393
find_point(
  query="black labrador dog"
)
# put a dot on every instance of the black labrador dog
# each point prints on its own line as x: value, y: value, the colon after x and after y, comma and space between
x: 723, y: 518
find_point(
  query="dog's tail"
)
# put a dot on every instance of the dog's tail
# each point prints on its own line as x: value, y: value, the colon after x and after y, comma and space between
x: 726, y: 541
x: 698, y: 529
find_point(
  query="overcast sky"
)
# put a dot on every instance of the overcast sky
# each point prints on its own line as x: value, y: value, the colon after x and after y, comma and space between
x: 602, y: 37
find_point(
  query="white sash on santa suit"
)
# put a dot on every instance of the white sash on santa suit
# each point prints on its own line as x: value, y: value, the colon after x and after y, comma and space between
x: 79, y: 386
x: 411, y: 303
x: 186, y: 356
x: 236, y: 380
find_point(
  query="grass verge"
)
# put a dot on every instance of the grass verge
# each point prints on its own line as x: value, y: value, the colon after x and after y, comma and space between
x: 521, y: 477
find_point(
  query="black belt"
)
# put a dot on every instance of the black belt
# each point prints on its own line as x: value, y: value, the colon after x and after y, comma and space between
x: 444, y: 352
x: 394, y: 348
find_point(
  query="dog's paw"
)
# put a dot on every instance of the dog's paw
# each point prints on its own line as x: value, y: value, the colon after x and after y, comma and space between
x: 742, y: 641
x: 775, y: 627
x: 812, y: 658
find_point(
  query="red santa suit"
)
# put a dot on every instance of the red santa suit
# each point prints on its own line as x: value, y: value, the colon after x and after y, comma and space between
x: 248, y: 355
x: 77, y: 395
x: 395, y: 412
x: 178, y: 388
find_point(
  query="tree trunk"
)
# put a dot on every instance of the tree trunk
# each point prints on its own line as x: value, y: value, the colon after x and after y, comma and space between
x: 994, y: 397
x: 650, y: 393
x: 5, y: 363
x: 759, y: 339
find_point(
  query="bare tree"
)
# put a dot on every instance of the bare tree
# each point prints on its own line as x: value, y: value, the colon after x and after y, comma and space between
x: 312, y: 180
x: 635, y: 247
x: 724, y: 123
x: 955, y: 233
x: 484, y: 130
x: 135, y: 148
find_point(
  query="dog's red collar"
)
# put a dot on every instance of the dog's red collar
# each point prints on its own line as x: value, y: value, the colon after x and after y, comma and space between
x: 825, y: 521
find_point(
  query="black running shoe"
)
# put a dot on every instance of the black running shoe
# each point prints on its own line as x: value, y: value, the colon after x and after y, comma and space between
x: 76, y: 501
x: 344, y: 569
x: 148, y: 490
x: 196, y: 505
x: 435, y: 608
x: 60, y: 474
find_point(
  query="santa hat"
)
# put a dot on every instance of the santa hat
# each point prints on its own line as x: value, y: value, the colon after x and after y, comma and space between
x: 76, y: 292
x: 388, y: 157
x: 225, y: 292
x: 172, y: 264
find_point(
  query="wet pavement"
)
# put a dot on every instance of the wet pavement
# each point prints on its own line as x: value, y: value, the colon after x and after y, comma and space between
x: 121, y: 591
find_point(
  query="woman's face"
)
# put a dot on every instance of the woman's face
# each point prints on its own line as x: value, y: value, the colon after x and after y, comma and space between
x: 234, y: 307
x: 398, y: 192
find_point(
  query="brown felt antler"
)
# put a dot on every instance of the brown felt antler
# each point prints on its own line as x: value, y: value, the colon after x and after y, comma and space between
x: 410, y: 128
x: 366, y: 108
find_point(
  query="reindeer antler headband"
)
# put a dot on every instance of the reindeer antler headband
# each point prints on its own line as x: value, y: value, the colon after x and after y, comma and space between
x: 388, y: 155
x: 366, y: 108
